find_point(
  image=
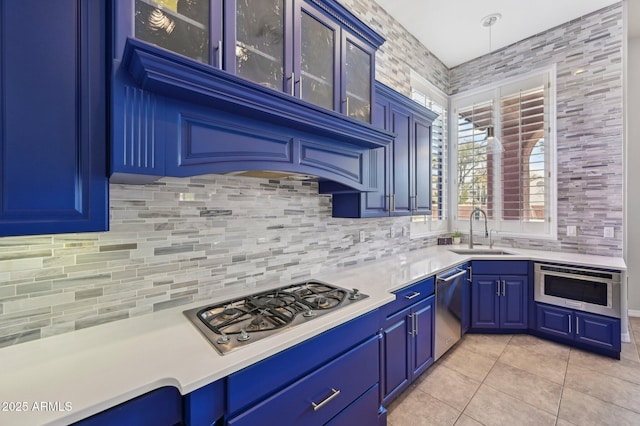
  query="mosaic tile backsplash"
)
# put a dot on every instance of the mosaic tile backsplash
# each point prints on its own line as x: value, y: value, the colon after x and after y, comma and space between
x: 177, y: 241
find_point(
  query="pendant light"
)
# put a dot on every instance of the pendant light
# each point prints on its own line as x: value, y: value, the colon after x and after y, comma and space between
x: 493, y: 142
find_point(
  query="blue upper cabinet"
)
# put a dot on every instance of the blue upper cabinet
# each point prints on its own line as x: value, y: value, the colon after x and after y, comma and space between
x: 400, y: 173
x: 301, y: 48
x: 217, y: 86
x: 53, y: 68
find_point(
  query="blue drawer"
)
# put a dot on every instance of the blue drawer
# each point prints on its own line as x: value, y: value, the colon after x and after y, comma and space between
x: 258, y: 381
x: 331, y: 388
x: 500, y: 267
x: 408, y: 296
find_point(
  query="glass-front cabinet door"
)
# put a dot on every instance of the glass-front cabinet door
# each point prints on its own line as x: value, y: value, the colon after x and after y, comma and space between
x: 190, y: 27
x: 357, y: 81
x: 299, y: 47
x: 317, y: 52
x: 260, y: 32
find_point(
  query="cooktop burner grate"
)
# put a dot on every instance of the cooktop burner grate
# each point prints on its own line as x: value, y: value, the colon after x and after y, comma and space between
x: 238, y: 322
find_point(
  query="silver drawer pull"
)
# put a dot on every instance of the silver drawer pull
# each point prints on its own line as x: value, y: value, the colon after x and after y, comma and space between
x: 334, y: 393
x: 412, y: 296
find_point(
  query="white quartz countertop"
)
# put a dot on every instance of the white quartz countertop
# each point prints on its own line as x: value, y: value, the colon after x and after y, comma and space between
x: 87, y: 371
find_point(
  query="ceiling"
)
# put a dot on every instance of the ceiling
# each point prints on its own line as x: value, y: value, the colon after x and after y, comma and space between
x: 452, y: 29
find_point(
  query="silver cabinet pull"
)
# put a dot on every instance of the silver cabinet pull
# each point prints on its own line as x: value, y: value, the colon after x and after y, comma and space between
x: 293, y: 84
x: 220, y: 54
x: 569, y: 317
x: 498, y: 288
x: 393, y: 202
x: 334, y: 393
x: 470, y: 273
x: 577, y: 327
x: 415, y: 320
x: 459, y: 273
x: 413, y: 295
x: 412, y: 325
x: 504, y: 287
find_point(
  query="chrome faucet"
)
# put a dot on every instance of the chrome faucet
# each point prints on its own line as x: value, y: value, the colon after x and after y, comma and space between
x: 486, y: 231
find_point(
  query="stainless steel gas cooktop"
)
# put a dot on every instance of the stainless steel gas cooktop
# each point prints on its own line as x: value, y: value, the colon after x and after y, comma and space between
x: 235, y: 323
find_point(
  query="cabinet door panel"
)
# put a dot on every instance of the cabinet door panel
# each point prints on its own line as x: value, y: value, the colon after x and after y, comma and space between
x: 400, y: 190
x: 316, y: 57
x: 422, y: 165
x: 599, y: 331
x: 182, y: 27
x: 485, y: 308
x: 553, y: 320
x: 260, y: 41
x: 357, y: 79
x: 513, y: 302
x: 423, y: 336
x: 465, y: 317
x: 397, y: 372
x: 53, y: 119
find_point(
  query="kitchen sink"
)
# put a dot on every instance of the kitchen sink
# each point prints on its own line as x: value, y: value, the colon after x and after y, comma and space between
x: 489, y: 251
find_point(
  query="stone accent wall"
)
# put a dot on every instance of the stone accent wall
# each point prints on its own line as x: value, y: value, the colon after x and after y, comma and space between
x: 588, y: 55
x: 401, y: 51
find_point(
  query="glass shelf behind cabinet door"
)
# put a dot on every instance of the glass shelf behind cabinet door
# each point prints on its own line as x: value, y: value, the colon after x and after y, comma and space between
x: 181, y: 26
x: 260, y: 41
x: 317, y: 62
x: 358, y: 83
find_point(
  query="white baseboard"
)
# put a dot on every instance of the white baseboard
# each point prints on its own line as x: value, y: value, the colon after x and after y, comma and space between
x: 633, y: 312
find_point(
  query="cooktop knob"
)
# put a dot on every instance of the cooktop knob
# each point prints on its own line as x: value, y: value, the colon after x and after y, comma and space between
x: 244, y: 336
x: 224, y: 338
x: 355, y: 294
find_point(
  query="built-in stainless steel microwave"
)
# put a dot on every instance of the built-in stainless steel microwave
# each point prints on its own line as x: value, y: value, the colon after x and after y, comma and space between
x: 583, y: 289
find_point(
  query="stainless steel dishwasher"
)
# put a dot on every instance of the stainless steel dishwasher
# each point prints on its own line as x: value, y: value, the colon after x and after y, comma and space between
x: 448, y: 309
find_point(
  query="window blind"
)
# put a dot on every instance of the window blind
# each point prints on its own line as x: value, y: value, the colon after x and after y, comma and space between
x: 473, y: 177
x: 522, y: 117
x: 439, y: 156
x: 514, y: 185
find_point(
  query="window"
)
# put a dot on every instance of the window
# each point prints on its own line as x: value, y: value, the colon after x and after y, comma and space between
x: 511, y: 180
x: 426, y: 94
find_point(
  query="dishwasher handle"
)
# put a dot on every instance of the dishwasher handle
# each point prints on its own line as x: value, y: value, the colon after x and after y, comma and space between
x: 453, y: 277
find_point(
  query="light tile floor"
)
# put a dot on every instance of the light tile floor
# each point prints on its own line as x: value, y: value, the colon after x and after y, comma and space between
x: 519, y: 380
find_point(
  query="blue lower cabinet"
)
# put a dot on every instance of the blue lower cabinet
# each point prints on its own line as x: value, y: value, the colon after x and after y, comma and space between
x: 324, y: 393
x: 363, y: 411
x: 589, y: 331
x: 499, y: 302
x: 407, y: 339
x: 161, y: 407
x: 205, y: 406
x: 499, y: 295
x: 465, y: 313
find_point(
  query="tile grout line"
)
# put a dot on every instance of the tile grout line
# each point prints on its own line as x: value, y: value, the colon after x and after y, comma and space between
x: 564, y: 380
x: 482, y: 382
